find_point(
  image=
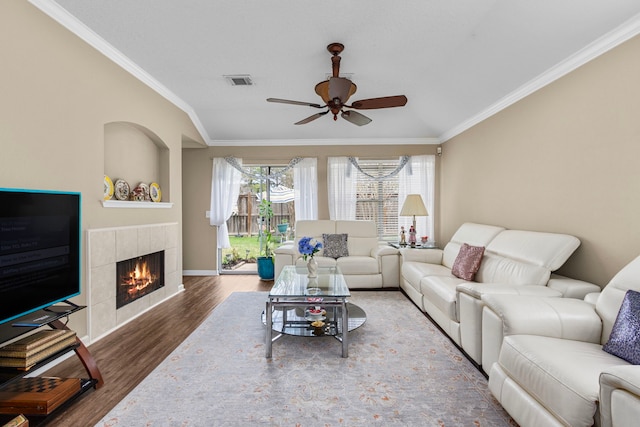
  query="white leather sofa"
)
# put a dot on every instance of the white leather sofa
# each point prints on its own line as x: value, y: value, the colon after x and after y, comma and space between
x: 515, y: 262
x: 551, y: 368
x: 370, y: 264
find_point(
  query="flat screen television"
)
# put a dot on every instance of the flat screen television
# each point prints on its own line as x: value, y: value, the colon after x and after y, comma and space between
x: 40, y: 250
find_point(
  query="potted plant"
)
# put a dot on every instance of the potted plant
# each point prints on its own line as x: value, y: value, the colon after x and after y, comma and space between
x: 283, y: 226
x: 265, y: 261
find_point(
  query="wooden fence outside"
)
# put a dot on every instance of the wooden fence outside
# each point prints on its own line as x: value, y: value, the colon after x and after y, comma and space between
x: 245, y: 221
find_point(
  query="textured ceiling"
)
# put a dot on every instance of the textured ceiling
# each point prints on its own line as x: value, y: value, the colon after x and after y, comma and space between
x: 456, y: 61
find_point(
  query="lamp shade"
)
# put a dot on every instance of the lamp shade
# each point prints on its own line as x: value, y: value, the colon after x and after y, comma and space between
x: 413, y: 206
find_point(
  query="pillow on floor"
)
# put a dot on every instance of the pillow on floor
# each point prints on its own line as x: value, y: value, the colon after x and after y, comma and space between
x: 335, y: 245
x: 624, y: 340
x: 467, y: 262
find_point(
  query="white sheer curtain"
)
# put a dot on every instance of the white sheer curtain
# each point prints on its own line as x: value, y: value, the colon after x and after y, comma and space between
x: 417, y: 177
x: 225, y: 188
x: 341, y: 188
x: 305, y: 189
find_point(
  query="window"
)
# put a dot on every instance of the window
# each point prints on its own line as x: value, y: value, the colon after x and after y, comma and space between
x: 378, y: 200
x: 374, y: 189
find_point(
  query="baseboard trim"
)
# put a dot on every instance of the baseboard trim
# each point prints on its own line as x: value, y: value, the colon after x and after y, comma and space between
x: 200, y: 273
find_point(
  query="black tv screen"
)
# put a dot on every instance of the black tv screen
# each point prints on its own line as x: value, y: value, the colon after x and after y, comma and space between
x: 39, y: 250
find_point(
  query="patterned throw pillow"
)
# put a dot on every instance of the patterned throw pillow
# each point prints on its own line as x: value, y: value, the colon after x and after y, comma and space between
x: 335, y: 245
x: 467, y: 262
x: 624, y: 340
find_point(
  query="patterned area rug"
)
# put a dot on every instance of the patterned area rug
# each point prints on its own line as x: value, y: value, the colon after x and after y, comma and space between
x: 401, y: 371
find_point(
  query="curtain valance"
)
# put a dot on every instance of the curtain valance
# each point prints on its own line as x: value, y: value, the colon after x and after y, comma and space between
x: 236, y: 164
x: 403, y: 161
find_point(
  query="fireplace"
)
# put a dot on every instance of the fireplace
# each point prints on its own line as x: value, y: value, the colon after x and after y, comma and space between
x: 139, y: 276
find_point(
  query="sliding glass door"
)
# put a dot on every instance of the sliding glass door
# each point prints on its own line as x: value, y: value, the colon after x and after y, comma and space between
x: 247, y: 228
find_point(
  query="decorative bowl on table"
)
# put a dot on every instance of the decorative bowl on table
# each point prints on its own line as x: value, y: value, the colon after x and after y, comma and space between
x: 315, y: 313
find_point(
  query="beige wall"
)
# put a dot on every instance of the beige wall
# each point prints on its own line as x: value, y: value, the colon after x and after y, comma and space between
x: 200, y: 238
x: 564, y: 159
x: 58, y: 94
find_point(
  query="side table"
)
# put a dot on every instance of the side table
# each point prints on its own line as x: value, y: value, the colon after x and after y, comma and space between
x: 428, y: 245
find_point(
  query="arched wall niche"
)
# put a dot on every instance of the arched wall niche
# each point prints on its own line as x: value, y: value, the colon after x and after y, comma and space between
x: 136, y: 154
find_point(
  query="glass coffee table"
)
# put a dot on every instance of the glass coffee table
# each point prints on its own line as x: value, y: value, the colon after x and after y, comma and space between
x: 308, y: 307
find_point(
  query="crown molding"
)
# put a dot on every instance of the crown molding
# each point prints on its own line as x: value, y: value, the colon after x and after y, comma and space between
x: 317, y: 142
x: 71, y: 23
x: 614, y: 38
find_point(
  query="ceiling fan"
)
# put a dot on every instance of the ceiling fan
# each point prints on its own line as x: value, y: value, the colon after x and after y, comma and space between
x: 336, y: 91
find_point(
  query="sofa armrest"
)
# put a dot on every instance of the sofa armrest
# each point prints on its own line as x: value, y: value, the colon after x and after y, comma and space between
x: 571, y: 288
x: 620, y: 396
x: 285, y: 254
x: 592, y: 298
x: 389, y: 265
x: 478, y: 290
x: 565, y: 318
x: 382, y: 250
x: 470, y: 305
x: 429, y: 256
x: 504, y: 315
x: 286, y: 249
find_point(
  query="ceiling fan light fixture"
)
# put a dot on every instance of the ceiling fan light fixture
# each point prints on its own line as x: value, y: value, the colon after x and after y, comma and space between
x: 322, y: 89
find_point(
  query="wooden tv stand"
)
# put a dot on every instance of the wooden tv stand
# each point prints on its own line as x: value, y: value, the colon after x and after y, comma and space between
x: 52, y: 317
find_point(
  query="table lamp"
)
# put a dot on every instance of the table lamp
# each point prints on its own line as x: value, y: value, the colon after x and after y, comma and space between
x: 413, y: 205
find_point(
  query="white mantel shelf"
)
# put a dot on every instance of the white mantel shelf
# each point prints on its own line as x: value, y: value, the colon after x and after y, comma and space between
x: 135, y: 205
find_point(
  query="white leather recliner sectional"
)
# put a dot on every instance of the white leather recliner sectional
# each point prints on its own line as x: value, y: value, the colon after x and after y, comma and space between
x: 515, y: 262
x: 552, y: 369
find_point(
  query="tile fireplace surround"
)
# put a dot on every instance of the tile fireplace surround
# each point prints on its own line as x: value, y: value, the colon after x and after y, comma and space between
x: 107, y: 246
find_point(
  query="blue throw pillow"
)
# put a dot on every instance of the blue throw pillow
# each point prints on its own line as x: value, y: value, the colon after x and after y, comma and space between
x: 624, y: 340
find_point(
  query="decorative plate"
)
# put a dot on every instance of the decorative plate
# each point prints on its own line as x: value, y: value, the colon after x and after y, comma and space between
x: 154, y: 192
x: 141, y: 193
x: 121, y: 190
x: 108, y: 188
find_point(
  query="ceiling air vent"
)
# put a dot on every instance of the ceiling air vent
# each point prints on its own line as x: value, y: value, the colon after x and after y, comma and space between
x: 239, y: 80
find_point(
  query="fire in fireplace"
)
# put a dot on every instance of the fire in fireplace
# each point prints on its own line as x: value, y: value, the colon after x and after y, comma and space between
x: 137, y: 277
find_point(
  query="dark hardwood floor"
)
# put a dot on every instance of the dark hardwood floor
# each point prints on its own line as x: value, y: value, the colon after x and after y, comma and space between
x: 128, y: 355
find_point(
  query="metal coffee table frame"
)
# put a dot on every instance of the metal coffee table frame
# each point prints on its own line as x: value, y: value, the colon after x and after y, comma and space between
x: 293, y: 289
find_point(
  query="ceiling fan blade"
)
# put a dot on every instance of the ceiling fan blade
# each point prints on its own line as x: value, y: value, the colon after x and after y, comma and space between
x: 341, y: 88
x: 311, y: 118
x: 355, y: 118
x: 384, y: 102
x: 286, y: 101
